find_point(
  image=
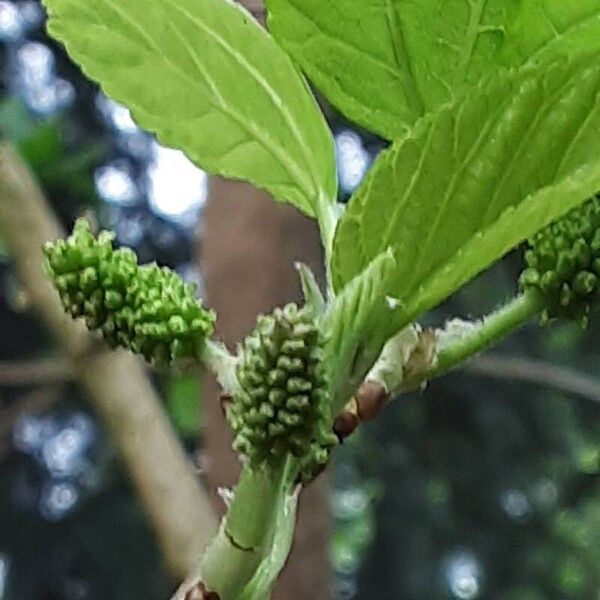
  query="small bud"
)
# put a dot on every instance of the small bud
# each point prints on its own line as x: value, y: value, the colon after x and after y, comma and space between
x: 563, y: 263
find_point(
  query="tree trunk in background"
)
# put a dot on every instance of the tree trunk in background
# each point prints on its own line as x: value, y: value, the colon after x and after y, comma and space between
x: 248, y: 246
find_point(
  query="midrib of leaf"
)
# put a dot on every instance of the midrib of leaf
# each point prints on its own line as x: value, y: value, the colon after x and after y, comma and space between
x: 402, y: 59
x: 473, y: 30
x: 296, y: 173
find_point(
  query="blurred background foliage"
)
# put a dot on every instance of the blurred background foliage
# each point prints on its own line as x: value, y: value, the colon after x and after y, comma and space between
x: 483, y: 486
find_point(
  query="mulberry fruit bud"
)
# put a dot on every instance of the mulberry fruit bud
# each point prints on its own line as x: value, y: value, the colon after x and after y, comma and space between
x: 283, y: 404
x: 563, y: 263
x: 147, y: 309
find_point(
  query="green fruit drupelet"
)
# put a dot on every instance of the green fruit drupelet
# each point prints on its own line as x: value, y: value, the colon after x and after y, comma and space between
x: 283, y: 404
x: 563, y: 263
x: 147, y: 309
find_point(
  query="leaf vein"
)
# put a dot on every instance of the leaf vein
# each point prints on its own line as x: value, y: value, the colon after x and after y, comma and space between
x: 267, y: 88
x: 457, y: 173
x: 402, y: 58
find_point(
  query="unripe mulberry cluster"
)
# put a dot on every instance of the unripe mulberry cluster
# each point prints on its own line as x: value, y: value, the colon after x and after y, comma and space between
x: 147, y: 309
x: 282, y: 405
x: 563, y: 263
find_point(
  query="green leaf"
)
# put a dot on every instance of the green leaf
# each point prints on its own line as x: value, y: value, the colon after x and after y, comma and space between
x: 206, y: 78
x: 313, y: 297
x: 470, y: 183
x: 357, y: 325
x: 543, y: 28
x: 386, y: 64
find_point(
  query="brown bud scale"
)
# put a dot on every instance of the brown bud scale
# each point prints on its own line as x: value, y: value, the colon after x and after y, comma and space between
x: 344, y: 424
x: 199, y: 592
x: 370, y: 400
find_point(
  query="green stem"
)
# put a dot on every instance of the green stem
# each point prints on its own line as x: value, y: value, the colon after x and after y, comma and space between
x: 491, y: 329
x: 328, y: 215
x: 245, y: 534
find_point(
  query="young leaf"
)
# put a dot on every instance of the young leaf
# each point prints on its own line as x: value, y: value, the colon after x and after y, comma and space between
x: 470, y: 183
x: 206, y: 78
x: 357, y: 325
x: 386, y: 64
x: 313, y: 297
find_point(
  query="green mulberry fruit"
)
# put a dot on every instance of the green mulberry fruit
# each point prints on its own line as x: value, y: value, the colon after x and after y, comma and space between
x: 283, y: 403
x: 563, y: 263
x: 147, y: 309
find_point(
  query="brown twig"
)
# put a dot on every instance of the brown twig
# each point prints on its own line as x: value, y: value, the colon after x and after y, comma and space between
x: 116, y: 383
x: 538, y: 372
x: 35, y: 372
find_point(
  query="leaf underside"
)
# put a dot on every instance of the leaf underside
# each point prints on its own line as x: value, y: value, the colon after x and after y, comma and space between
x: 207, y: 79
x: 475, y: 179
